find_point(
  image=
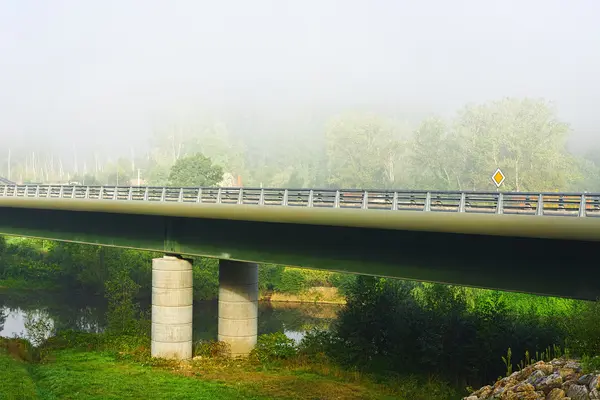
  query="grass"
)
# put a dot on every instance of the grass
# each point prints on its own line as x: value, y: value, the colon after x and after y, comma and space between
x: 91, y: 375
x: 87, y: 372
x: 15, y: 381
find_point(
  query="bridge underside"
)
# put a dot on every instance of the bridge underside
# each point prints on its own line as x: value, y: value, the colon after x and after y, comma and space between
x: 542, y: 266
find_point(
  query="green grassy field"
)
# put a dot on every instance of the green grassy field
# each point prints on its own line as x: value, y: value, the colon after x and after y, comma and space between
x: 79, y: 374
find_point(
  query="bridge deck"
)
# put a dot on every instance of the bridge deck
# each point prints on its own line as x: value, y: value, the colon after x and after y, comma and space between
x: 448, y: 237
x: 541, y: 204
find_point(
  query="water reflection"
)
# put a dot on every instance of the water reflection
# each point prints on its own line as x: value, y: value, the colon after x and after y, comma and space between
x: 88, y: 313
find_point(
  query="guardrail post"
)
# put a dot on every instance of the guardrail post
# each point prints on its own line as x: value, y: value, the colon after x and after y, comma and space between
x: 199, y: 195
x: 87, y: 193
x: 101, y: 193
x: 540, y: 205
x: 146, y: 194
x: 4, y: 191
x: 463, y: 202
x: 261, y: 197
x: 336, y: 201
x: 130, y: 193
x: 37, y: 191
x: 583, y: 206
x: 286, y: 196
x: 427, y: 206
x: 365, y: 202
x: 219, y: 195
x: 395, y: 202
x: 61, y: 192
x: 310, y: 198
x: 163, y: 194
x: 116, y: 193
x: 241, y: 196
x: 180, y: 198
x: 500, y: 205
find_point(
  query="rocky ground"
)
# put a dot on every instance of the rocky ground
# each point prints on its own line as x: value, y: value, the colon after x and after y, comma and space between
x: 559, y: 379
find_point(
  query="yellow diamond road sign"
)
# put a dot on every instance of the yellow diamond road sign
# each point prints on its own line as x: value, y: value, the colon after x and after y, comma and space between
x: 498, y: 177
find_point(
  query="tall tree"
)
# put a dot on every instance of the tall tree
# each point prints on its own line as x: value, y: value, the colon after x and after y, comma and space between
x: 522, y: 137
x: 195, y: 170
x: 362, y: 151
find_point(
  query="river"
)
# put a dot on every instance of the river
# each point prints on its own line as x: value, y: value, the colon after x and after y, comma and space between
x: 63, y: 311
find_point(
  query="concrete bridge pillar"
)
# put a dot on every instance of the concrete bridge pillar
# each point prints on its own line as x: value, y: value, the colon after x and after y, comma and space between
x: 238, y: 305
x: 172, y: 303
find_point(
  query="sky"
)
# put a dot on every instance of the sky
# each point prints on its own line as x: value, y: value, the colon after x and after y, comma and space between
x: 106, y: 73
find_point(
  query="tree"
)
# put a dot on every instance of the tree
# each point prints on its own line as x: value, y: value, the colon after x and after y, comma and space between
x: 196, y: 170
x: 522, y: 137
x: 434, y: 158
x: 362, y: 151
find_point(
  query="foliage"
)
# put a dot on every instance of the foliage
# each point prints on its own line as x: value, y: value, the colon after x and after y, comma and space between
x: 317, y: 344
x: 212, y: 349
x: 433, y: 329
x: 273, y: 347
x: 206, y: 278
x: 123, y: 314
x: 361, y: 151
x: 196, y: 170
x: 584, y: 329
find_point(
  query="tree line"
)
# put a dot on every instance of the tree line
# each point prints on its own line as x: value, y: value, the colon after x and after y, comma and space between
x: 523, y: 137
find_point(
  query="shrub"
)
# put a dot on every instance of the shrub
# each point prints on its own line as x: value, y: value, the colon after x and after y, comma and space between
x: 212, y: 349
x: 292, y: 281
x: 317, y: 343
x: 274, y: 347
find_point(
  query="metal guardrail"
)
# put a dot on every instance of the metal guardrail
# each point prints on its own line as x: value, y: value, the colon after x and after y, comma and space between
x: 556, y: 204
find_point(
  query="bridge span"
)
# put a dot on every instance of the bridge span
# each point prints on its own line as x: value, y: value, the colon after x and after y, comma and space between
x: 542, y: 243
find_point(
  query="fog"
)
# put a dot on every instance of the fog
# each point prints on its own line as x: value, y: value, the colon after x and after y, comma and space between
x: 106, y: 74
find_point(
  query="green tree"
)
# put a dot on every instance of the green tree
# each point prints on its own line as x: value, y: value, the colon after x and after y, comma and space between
x: 434, y: 158
x: 196, y: 170
x: 362, y: 151
x: 523, y: 137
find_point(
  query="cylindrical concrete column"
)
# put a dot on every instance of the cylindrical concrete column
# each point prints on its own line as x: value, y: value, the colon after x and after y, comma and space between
x: 172, y: 303
x: 238, y: 305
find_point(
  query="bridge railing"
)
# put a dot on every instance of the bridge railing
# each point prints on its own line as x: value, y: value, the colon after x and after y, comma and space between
x: 559, y: 204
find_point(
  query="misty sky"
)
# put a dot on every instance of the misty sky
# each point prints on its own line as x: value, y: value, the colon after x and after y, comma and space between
x: 106, y: 72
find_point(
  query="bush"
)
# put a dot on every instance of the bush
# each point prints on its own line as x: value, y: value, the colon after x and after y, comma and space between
x: 212, y: 349
x: 317, y: 344
x: 343, y: 282
x: 584, y: 329
x: 292, y: 281
x: 429, y: 328
x: 274, y: 347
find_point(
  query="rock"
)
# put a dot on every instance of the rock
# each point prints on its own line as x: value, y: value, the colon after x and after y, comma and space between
x: 471, y: 398
x: 573, y: 365
x: 593, y: 383
x: 566, y: 372
x: 585, y: 380
x: 524, y: 387
x: 556, y: 394
x: 550, y: 382
x: 536, y: 377
x: 594, y: 394
x: 546, y: 368
x: 578, y: 392
x: 484, y: 392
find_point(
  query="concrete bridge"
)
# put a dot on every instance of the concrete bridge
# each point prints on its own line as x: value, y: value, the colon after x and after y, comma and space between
x: 543, y: 243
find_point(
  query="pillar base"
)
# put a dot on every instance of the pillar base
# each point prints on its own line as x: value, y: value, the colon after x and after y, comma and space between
x: 238, y: 306
x: 172, y: 308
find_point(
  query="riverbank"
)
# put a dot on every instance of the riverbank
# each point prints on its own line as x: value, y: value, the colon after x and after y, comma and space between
x: 318, y: 295
x: 84, y: 371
